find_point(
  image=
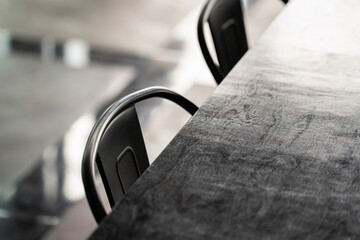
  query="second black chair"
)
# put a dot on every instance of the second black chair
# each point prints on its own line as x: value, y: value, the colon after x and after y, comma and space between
x: 226, y: 23
x: 116, y: 146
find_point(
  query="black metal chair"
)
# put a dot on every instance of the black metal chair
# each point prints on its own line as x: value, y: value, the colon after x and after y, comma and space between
x: 225, y: 19
x: 117, y: 147
x: 226, y: 22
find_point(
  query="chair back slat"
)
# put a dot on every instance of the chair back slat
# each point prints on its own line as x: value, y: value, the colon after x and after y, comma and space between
x: 122, y: 156
x: 226, y: 23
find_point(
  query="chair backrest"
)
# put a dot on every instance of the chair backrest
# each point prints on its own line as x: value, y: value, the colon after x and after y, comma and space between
x: 225, y: 19
x: 117, y: 147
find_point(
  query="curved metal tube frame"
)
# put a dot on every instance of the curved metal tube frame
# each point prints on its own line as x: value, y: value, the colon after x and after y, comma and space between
x: 214, y: 69
x: 89, y: 157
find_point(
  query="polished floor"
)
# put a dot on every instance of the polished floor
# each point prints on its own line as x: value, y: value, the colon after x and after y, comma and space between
x: 62, y: 64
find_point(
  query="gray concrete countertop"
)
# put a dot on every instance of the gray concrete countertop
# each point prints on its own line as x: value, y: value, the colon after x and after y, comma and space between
x: 274, y: 152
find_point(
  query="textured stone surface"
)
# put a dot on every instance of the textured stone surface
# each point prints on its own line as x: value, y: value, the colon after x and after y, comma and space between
x: 274, y: 152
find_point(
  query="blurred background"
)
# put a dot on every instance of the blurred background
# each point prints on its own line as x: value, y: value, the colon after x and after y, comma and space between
x: 62, y: 62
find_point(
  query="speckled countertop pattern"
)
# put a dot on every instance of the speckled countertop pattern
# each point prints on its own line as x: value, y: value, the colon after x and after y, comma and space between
x: 274, y: 153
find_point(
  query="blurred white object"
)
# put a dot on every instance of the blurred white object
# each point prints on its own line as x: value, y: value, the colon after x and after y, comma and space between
x: 76, y: 53
x: 5, y: 38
